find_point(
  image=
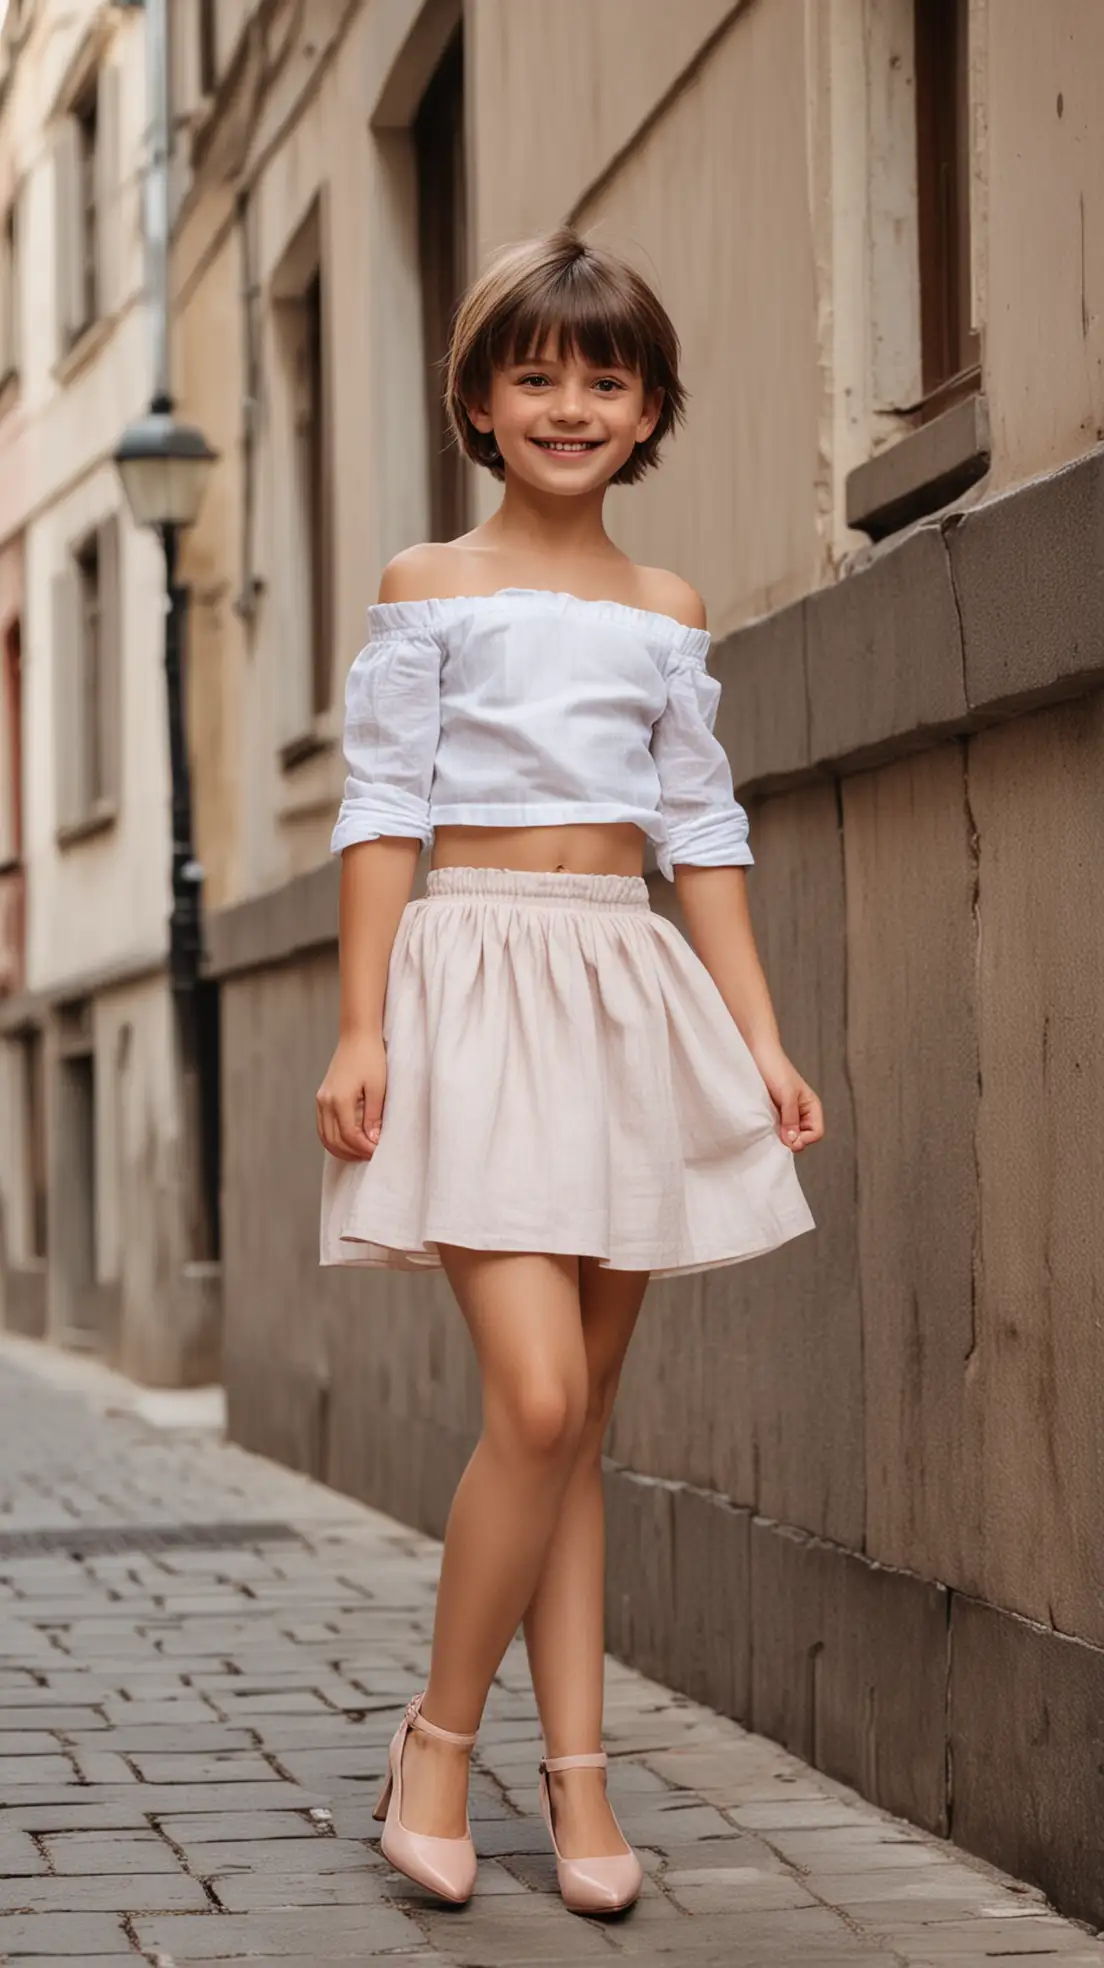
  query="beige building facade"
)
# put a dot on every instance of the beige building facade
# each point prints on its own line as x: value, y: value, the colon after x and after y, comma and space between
x: 855, y: 1490
x: 94, y: 1251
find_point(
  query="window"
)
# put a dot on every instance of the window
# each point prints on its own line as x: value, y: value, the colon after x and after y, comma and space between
x: 303, y: 513
x: 90, y: 635
x: 949, y: 348
x: 11, y: 763
x: 86, y: 683
x: 75, y: 1194
x: 442, y: 253
x: 85, y: 118
x: 34, y: 1141
x: 12, y: 875
x: 86, y: 197
x: 311, y: 447
x: 208, y: 48
x: 9, y: 296
x: 929, y: 424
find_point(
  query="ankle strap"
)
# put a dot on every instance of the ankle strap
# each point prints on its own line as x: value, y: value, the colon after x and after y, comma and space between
x: 416, y: 1720
x: 595, y: 1759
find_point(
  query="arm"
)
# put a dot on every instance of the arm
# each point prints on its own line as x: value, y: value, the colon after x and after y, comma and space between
x: 376, y: 880
x: 714, y: 903
x: 707, y: 855
x: 392, y: 721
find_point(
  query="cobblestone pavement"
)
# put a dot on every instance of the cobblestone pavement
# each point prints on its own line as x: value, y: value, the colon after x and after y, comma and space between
x: 193, y: 1728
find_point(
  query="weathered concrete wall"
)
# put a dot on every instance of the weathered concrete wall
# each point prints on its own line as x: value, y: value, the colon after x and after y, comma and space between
x: 844, y: 1479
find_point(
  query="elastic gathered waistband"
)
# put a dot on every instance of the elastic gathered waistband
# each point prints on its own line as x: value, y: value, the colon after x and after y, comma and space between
x: 547, y: 890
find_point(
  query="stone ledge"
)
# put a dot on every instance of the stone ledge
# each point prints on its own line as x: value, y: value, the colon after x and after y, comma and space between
x: 965, y: 622
x: 282, y: 923
x: 1028, y: 571
x: 884, y: 655
x: 922, y: 471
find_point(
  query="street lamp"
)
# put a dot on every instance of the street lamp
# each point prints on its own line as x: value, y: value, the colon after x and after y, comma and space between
x: 164, y: 467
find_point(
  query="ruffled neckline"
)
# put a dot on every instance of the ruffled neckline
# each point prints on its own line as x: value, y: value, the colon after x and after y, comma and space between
x: 677, y: 636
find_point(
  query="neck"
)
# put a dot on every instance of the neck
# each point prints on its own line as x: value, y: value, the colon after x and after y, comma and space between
x: 545, y: 524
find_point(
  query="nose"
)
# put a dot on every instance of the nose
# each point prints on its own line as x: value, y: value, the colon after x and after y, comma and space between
x: 571, y: 405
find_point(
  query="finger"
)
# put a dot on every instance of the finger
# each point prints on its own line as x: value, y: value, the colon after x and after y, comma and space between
x: 328, y: 1134
x: 791, y: 1119
x: 812, y: 1119
x: 357, y: 1144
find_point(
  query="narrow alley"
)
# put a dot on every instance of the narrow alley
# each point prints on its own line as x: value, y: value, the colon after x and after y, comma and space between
x: 202, y: 1657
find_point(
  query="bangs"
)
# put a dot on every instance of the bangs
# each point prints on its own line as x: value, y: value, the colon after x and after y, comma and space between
x: 568, y: 315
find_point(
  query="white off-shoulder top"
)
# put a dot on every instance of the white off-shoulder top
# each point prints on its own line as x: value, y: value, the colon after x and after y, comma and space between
x: 529, y: 708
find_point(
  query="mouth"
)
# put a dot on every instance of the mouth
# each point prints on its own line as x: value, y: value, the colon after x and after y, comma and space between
x: 567, y: 447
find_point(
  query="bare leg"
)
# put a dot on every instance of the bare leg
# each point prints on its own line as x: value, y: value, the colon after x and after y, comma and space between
x: 524, y: 1316
x: 564, y: 1622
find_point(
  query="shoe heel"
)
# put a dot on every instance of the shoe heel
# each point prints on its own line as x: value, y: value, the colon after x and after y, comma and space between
x: 380, y: 1811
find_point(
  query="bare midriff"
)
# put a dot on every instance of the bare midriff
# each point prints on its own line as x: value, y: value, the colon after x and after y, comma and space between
x: 584, y: 849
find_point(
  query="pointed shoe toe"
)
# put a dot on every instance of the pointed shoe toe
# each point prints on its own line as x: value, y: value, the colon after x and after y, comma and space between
x: 600, y: 1885
x: 444, y: 1866
x: 603, y: 1885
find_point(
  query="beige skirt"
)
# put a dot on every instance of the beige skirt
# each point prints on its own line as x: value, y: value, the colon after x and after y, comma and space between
x: 563, y: 1076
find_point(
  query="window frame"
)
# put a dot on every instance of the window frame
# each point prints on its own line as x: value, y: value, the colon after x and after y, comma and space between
x: 949, y: 344
x: 207, y: 47
x: 88, y: 666
x: 300, y: 321
x: 440, y: 161
x: 10, y: 297
x: 85, y: 114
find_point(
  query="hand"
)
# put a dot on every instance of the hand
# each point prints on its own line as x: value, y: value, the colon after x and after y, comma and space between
x: 349, y: 1104
x: 801, y: 1117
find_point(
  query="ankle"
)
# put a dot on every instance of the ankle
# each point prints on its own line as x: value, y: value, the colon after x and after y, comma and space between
x: 438, y: 1725
x: 428, y: 1748
x: 584, y: 1780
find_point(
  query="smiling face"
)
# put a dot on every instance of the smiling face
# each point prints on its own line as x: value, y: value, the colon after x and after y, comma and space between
x: 564, y: 424
x: 563, y: 368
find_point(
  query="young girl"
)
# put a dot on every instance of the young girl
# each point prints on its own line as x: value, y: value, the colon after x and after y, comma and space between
x: 538, y: 1085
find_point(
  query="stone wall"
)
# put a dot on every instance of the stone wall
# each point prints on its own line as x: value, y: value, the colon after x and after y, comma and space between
x: 856, y: 1492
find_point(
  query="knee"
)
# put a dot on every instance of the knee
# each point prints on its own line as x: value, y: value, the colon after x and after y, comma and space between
x: 601, y: 1392
x: 546, y: 1418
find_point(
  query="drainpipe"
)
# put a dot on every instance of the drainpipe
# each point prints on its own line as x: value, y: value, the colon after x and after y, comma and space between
x: 157, y: 193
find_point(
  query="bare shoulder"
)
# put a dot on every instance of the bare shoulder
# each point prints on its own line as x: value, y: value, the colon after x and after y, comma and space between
x: 669, y: 594
x: 421, y: 573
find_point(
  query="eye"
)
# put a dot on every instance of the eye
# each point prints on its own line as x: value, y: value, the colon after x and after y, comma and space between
x: 533, y: 381
x: 607, y: 384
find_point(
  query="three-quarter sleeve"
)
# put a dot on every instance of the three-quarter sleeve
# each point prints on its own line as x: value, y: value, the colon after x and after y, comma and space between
x: 705, y: 824
x: 392, y: 725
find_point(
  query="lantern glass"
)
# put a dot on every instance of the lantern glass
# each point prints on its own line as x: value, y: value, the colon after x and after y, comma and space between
x: 164, y: 467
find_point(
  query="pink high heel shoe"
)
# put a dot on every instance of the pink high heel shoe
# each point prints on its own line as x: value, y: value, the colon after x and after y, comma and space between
x: 445, y: 1865
x: 590, y: 1885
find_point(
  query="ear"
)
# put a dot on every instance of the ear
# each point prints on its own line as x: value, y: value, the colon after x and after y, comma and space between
x: 649, y: 416
x: 479, y: 414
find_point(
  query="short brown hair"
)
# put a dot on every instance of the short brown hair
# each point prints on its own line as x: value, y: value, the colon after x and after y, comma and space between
x: 591, y: 302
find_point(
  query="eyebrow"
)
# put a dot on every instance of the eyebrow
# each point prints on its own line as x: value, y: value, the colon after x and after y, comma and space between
x: 555, y: 362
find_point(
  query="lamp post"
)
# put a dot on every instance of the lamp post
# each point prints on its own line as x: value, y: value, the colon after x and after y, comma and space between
x: 164, y: 467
